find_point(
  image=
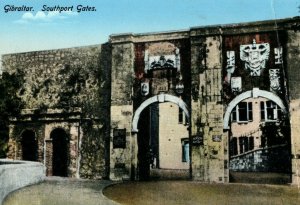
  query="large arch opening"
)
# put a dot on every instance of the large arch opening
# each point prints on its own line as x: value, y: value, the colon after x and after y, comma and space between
x: 158, y: 98
x: 259, y: 139
x: 161, y: 126
x: 60, y: 152
x: 29, y: 146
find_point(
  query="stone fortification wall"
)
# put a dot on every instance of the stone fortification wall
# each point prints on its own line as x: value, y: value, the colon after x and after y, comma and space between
x: 57, y: 78
x: 293, y: 61
x: 262, y: 160
x: 208, y: 158
x: 67, y: 79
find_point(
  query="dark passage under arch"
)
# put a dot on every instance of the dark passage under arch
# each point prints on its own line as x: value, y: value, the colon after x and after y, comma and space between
x: 29, y: 146
x: 60, y: 155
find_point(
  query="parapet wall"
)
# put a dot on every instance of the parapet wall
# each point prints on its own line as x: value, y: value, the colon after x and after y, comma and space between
x: 17, y: 174
x: 65, y: 79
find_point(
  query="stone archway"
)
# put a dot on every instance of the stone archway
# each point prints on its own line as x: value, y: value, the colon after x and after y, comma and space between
x: 60, y: 152
x: 146, y: 143
x: 256, y: 92
x: 158, y: 98
x: 29, y: 145
x: 258, y: 139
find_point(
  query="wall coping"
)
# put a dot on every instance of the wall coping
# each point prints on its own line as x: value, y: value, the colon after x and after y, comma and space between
x: 209, y: 30
x: 15, y: 174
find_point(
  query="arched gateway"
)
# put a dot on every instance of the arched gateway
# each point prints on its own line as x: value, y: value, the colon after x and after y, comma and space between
x: 248, y: 94
x: 100, y: 94
x: 158, y: 98
x: 160, y: 130
x: 259, y: 143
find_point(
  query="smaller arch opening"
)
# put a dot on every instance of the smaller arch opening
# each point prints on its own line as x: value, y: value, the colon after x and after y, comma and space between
x: 259, y: 142
x: 60, y: 155
x: 29, y: 146
x: 255, y: 93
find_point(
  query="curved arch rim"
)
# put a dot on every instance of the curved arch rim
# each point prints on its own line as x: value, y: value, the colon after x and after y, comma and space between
x: 248, y: 94
x: 158, y: 98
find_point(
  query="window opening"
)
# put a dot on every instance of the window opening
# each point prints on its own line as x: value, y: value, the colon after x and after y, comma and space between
x: 185, y: 150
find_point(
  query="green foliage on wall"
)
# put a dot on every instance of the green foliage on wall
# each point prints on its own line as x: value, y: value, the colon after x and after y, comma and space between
x: 275, y: 133
x: 10, y: 105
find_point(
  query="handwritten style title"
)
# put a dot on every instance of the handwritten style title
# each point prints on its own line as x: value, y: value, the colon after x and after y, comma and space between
x: 46, y: 8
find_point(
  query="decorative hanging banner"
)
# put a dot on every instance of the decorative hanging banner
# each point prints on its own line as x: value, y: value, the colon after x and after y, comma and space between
x: 255, y: 57
x: 278, y: 55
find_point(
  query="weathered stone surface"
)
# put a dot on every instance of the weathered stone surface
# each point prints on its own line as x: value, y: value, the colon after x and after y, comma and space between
x: 207, y: 110
x: 65, y: 79
x: 121, y: 102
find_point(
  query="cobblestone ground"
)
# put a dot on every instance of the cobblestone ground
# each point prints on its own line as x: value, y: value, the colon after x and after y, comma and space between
x: 191, y: 193
x: 61, y: 191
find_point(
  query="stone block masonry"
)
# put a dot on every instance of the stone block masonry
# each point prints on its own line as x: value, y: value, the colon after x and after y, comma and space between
x: 51, y: 76
x: 75, y: 84
x: 121, y: 164
x: 294, y: 99
x: 207, y: 122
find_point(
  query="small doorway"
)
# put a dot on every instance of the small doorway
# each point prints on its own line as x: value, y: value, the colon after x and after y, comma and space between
x: 29, y: 146
x: 60, y: 155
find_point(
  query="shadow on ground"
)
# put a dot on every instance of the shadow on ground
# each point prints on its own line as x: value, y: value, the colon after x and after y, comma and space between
x: 260, y: 177
x: 190, y: 193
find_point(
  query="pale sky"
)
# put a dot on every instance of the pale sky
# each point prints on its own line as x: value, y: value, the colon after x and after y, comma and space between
x: 22, y: 31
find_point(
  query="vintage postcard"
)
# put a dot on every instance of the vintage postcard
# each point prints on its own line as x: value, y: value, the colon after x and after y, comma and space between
x: 149, y: 102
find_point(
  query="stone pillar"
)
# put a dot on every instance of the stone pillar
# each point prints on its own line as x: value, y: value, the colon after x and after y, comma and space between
x: 49, y: 154
x: 197, y: 67
x: 293, y: 62
x: 73, y: 150
x: 134, y: 159
x: 295, y: 140
x: 209, y: 157
x: 19, y: 151
x: 122, y: 77
x: 12, y: 144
